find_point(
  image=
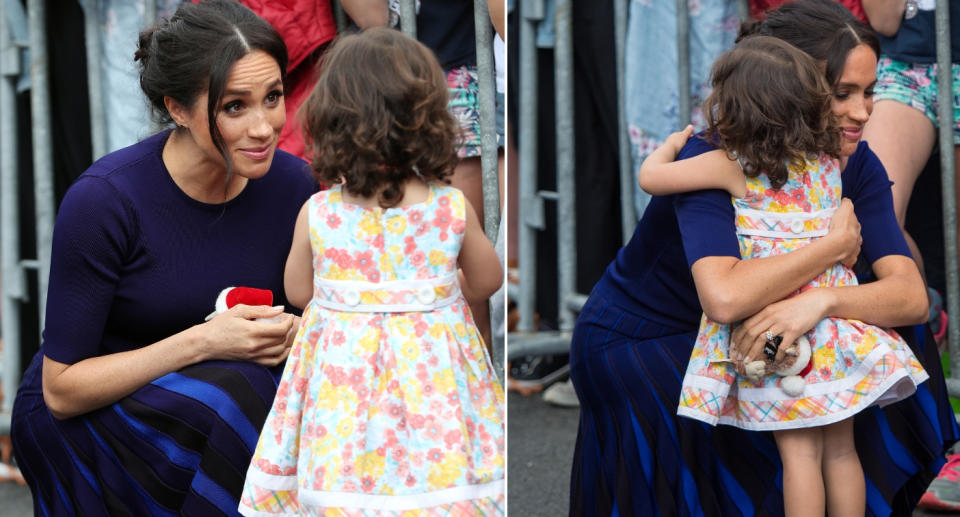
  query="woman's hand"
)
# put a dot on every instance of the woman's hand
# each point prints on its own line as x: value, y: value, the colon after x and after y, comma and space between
x: 844, y: 232
x: 789, y: 319
x: 235, y: 335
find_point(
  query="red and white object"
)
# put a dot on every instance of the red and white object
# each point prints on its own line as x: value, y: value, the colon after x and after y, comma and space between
x: 232, y: 296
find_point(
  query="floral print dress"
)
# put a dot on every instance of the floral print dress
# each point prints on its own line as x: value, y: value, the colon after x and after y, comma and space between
x: 388, y: 404
x: 854, y: 365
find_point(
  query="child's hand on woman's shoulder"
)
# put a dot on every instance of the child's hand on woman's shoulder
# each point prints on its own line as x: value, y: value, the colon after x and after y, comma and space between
x: 677, y: 140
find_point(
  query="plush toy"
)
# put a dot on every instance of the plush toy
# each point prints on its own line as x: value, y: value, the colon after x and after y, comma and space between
x: 246, y: 295
x: 794, y: 366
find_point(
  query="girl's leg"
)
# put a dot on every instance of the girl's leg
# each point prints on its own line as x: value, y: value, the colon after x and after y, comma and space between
x: 842, y: 473
x: 801, y: 451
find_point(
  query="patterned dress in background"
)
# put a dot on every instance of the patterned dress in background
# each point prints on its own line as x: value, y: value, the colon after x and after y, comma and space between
x: 388, y: 403
x: 854, y: 366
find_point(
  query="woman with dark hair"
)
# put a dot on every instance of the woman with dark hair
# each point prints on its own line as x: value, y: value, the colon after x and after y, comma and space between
x: 134, y: 405
x: 634, y: 336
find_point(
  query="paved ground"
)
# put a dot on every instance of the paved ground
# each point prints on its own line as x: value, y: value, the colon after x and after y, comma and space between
x: 15, y: 500
x: 541, y: 439
x: 540, y: 449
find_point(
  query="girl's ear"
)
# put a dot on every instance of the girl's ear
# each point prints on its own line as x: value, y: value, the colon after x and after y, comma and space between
x: 178, y: 112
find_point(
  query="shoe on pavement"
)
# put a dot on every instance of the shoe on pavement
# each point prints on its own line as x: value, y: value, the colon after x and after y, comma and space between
x: 562, y: 394
x: 944, y: 492
x: 536, y: 372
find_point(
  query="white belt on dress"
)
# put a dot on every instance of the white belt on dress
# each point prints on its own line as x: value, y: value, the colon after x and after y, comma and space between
x: 785, y: 225
x: 389, y: 296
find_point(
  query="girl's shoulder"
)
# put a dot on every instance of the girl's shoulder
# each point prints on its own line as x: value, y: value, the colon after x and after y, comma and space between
x: 443, y: 195
x: 444, y: 190
x: 331, y: 195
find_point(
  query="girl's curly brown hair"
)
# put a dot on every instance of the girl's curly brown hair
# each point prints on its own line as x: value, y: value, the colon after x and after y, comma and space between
x: 770, y: 107
x: 378, y: 116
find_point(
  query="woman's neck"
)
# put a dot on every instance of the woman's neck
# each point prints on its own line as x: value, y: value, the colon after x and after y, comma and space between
x: 198, y: 175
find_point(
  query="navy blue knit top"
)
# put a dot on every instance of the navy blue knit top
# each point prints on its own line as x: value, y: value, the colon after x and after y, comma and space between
x: 651, y: 275
x: 136, y: 260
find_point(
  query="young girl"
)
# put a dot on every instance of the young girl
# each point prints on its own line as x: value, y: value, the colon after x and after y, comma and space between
x: 769, y: 114
x: 388, y: 402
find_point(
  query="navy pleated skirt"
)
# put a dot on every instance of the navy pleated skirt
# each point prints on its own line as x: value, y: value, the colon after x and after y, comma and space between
x: 635, y: 456
x: 180, y: 445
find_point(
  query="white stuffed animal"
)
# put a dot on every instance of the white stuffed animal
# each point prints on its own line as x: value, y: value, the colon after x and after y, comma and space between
x: 796, y: 363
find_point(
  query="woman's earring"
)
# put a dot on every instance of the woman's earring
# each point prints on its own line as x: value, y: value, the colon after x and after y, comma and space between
x: 910, y: 9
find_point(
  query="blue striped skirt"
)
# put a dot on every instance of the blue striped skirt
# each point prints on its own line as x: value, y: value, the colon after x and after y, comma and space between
x: 178, y: 446
x: 635, y: 456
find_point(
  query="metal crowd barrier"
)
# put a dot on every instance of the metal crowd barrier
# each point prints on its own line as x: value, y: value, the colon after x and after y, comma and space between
x: 15, y: 268
x: 948, y: 179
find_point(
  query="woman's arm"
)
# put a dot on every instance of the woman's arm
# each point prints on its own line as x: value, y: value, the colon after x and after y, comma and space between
x: 896, y: 298
x: 731, y: 289
x: 661, y: 174
x: 497, y: 17
x: 74, y: 389
x: 367, y: 13
x: 885, y: 15
x: 95, y: 235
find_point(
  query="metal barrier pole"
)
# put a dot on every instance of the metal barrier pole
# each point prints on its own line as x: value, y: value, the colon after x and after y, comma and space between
x: 339, y: 15
x: 530, y: 219
x: 488, y: 133
x: 743, y: 9
x: 408, y: 17
x: 14, y: 282
x: 566, y: 187
x: 98, y: 117
x: 42, y: 146
x: 149, y: 13
x: 948, y: 180
x: 488, y: 136
x: 628, y: 179
x: 683, y: 62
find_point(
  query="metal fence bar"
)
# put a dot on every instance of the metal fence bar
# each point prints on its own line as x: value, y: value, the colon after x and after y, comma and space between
x: 530, y: 218
x: 566, y: 187
x: 42, y: 145
x: 628, y: 219
x: 408, y: 17
x: 149, y: 13
x: 486, y: 98
x: 98, y: 117
x: 339, y: 15
x: 13, y: 284
x: 683, y: 62
x: 948, y: 180
x: 743, y: 9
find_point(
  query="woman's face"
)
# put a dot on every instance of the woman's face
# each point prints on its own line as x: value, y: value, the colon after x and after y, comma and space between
x: 853, y: 96
x: 251, y: 116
